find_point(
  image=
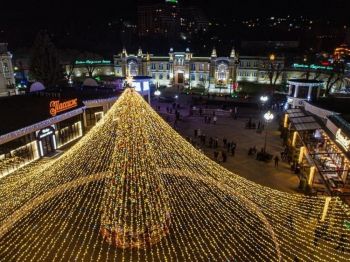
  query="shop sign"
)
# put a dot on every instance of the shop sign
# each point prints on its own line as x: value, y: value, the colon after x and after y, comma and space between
x: 342, y: 140
x: 313, y: 66
x: 93, y: 62
x: 45, y: 132
x: 56, y: 106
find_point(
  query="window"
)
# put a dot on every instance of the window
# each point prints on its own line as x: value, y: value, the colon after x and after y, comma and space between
x: 160, y: 76
x: 153, y: 75
x: 167, y: 66
x: 168, y: 76
x: 153, y: 66
x: 201, y: 77
x: 222, y: 72
x: 160, y: 66
x: 193, y: 67
x: 5, y: 66
x: 193, y: 77
x: 201, y: 67
x: 248, y: 64
x: 133, y: 68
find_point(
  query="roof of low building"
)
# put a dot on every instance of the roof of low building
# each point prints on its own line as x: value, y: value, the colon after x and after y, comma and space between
x: 305, y: 81
x: 24, y: 110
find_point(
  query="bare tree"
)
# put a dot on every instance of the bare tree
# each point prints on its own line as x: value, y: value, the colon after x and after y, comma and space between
x: 336, y: 76
x: 89, y: 60
x: 274, y: 70
x: 68, y: 59
x: 44, y: 61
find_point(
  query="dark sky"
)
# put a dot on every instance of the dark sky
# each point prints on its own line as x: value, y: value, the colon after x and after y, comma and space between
x: 21, y: 20
x: 56, y: 11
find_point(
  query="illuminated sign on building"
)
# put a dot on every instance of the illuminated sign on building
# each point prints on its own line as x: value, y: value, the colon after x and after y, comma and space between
x: 342, y: 140
x: 45, y: 132
x: 56, y: 106
x: 93, y: 62
x: 315, y: 67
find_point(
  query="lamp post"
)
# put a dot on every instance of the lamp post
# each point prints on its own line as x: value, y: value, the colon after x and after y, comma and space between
x: 268, y: 118
x: 263, y: 100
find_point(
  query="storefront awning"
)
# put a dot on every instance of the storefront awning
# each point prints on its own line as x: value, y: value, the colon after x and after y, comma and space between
x: 294, y: 110
x: 307, y: 126
x: 292, y: 115
x: 305, y: 119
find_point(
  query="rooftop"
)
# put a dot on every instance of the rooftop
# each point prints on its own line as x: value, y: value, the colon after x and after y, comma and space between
x: 305, y: 81
x: 25, y: 110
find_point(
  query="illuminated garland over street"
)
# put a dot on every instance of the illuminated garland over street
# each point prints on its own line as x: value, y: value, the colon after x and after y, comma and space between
x: 133, y: 189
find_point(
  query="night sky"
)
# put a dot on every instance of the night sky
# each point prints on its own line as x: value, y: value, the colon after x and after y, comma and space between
x: 57, y: 11
x: 21, y: 20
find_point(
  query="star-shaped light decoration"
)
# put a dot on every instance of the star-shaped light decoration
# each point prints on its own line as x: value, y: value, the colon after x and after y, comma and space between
x: 129, y: 81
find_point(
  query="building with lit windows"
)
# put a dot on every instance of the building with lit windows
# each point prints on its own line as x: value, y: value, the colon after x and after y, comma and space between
x: 169, y: 18
x: 7, y: 79
x: 40, y: 124
x: 218, y: 74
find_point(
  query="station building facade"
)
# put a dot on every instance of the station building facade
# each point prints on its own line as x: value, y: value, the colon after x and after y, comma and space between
x: 185, y: 70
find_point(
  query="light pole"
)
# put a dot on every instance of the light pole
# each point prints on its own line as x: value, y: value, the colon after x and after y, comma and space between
x: 263, y: 100
x: 268, y: 118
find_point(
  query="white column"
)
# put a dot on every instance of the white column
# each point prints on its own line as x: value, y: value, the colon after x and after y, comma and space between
x: 296, y: 91
x: 309, y: 92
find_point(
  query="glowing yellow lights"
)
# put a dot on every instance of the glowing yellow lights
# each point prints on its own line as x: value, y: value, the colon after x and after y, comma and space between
x: 129, y: 80
x: 133, y: 189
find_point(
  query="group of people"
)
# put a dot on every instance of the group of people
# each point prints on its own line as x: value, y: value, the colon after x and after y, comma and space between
x: 207, y: 119
x: 214, y: 143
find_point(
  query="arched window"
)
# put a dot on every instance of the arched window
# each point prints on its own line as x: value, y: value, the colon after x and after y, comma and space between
x: 133, y: 68
x: 222, y: 72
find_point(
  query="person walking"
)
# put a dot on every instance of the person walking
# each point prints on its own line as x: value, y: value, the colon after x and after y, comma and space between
x: 214, y: 120
x: 216, y: 154
x: 233, y: 151
x: 228, y: 146
x: 224, y: 140
x: 224, y: 156
x: 216, y: 143
x: 210, y: 142
x: 276, y: 161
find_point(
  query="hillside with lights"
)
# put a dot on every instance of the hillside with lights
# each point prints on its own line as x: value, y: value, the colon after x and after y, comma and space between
x: 133, y: 189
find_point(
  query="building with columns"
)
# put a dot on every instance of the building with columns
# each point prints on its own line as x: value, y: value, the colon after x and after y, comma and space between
x: 218, y: 74
x: 301, y: 90
x: 6, y: 70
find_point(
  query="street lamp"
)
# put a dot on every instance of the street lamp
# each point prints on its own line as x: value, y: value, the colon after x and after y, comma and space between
x: 157, y: 93
x: 268, y: 118
x: 263, y: 100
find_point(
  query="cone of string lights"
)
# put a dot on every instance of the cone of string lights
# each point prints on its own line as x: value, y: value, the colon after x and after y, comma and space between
x: 132, y: 189
x: 135, y: 210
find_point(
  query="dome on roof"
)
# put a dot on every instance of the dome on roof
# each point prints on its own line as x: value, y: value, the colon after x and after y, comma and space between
x: 37, y: 86
x: 90, y: 82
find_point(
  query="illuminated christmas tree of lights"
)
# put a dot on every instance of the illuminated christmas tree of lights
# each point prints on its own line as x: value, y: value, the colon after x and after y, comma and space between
x: 133, y: 189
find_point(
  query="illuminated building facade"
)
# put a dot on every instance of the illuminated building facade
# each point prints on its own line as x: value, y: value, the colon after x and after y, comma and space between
x: 342, y: 52
x: 7, y: 79
x: 182, y: 69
